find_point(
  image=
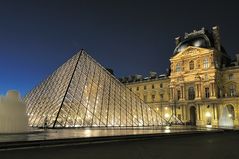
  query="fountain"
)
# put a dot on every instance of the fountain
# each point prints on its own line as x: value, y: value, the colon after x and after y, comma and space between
x: 225, y: 119
x: 13, y: 117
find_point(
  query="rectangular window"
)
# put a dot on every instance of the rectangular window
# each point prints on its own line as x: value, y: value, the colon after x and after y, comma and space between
x: 137, y: 88
x: 179, y: 116
x: 178, y: 94
x: 161, y: 96
x: 145, y: 87
x: 153, y: 97
x: 145, y: 98
x: 232, y: 91
x: 207, y: 93
x: 230, y: 77
x: 191, y: 65
x: 178, y: 68
x: 161, y: 85
x: 152, y: 86
x: 205, y: 63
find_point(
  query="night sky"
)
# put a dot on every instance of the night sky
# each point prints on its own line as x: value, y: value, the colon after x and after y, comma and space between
x: 131, y: 37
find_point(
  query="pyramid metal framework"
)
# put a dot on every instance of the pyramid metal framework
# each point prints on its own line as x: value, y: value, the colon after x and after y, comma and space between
x: 81, y: 93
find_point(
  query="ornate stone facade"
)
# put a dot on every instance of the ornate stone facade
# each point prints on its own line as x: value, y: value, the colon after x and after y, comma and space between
x: 201, y: 83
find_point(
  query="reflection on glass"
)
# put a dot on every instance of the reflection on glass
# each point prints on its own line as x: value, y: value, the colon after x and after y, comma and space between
x: 81, y: 93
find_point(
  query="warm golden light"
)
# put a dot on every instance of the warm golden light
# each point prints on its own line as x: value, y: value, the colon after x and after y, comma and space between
x: 166, y: 115
x: 208, y: 114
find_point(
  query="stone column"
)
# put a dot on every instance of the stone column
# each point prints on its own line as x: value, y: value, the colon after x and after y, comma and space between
x: 183, y: 117
x: 171, y: 93
x: 199, y: 115
x: 199, y: 112
x: 214, y: 115
x: 196, y: 91
x: 236, y: 123
x: 200, y: 90
x: 174, y: 93
x: 212, y: 90
x: 182, y: 92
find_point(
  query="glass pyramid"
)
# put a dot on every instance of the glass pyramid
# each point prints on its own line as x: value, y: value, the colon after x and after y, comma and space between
x: 81, y: 93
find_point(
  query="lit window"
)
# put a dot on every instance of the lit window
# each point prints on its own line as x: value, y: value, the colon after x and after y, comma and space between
x: 191, y: 65
x: 205, y: 63
x: 207, y: 93
x: 178, y: 67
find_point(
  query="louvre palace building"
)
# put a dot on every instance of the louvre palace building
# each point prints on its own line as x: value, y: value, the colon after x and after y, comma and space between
x: 201, y: 86
x: 199, y: 89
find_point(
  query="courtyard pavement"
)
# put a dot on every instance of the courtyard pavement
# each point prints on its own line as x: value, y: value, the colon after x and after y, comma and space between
x: 54, y: 134
x: 207, y: 146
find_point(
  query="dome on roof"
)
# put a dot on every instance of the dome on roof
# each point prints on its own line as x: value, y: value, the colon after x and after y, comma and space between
x: 198, y: 41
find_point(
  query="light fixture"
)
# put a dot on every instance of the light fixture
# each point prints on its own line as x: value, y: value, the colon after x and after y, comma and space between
x: 166, y: 115
x: 208, y: 114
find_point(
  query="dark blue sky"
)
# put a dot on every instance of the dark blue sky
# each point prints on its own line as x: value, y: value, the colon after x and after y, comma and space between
x: 129, y: 36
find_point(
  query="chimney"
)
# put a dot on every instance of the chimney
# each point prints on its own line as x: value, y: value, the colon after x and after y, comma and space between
x: 216, y: 37
x: 237, y: 59
x: 152, y: 74
x: 138, y: 77
x: 111, y: 71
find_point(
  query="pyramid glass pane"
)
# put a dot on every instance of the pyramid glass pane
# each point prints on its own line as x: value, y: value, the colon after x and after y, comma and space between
x: 81, y: 93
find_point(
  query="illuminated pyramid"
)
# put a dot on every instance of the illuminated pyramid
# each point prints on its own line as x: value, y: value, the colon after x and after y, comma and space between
x: 81, y: 93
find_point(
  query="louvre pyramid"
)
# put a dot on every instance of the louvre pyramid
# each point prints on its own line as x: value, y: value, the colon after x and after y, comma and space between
x: 81, y: 93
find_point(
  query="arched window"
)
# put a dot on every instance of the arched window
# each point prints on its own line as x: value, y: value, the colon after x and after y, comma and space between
x: 178, y: 67
x: 205, y: 63
x: 191, y: 65
x: 191, y: 93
